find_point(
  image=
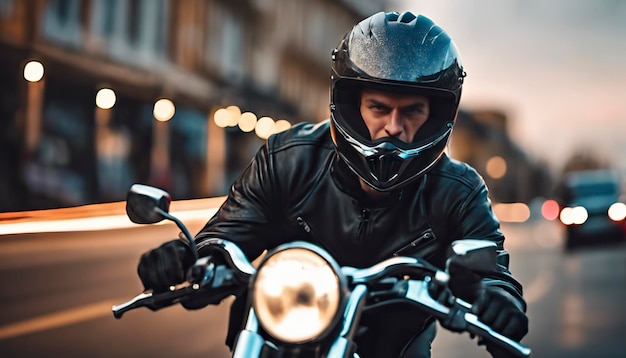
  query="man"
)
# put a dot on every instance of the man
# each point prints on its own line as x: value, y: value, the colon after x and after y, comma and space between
x: 372, y: 182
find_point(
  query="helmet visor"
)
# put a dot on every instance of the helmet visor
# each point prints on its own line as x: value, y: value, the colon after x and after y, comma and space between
x: 346, y: 105
x: 388, y: 162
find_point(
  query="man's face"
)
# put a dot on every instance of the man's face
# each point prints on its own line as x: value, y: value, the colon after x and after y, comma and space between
x: 388, y: 114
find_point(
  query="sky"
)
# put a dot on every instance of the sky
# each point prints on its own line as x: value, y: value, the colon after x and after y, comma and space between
x: 557, y: 67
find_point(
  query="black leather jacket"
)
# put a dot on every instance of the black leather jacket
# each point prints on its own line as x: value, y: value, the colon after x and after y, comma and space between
x: 296, y: 188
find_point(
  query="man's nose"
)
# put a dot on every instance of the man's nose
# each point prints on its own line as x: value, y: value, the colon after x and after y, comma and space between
x: 394, y: 126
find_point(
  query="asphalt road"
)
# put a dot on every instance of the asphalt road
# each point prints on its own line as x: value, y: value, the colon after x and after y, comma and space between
x: 58, y: 289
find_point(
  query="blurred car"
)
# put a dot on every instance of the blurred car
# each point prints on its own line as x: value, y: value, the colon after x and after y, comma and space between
x: 592, y: 208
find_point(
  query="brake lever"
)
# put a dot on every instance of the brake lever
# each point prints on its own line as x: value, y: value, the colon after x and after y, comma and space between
x: 153, y: 301
x: 475, y: 326
x: 199, y: 276
x: 459, y: 317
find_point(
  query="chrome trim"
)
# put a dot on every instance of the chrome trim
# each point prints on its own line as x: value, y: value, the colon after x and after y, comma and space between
x: 357, y: 298
x: 237, y: 258
x: 118, y: 310
x: 418, y: 292
x: 472, y: 319
x: 378, y: 270
x: 386, y: 147
x: 339, y: 348
x: 252, y: 323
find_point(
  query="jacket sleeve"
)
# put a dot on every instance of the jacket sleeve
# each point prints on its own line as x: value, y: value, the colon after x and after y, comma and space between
x: 244, y: 216
x: 476, y: 220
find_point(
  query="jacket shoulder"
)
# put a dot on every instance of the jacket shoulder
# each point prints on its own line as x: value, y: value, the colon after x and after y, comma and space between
x: 448, y: 169
x: 301, y: 135
x: 300, y: 157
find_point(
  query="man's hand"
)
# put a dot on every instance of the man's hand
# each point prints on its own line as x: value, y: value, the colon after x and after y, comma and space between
x: 165, y: 266
x: 501, y: 311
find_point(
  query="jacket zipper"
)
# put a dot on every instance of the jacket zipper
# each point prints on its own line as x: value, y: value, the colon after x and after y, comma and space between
x: 304, y: 224
x: 363, y: 225
x: 425, y: 235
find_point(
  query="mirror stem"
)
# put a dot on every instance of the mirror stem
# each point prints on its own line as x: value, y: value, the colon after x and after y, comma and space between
x: 183, y: 228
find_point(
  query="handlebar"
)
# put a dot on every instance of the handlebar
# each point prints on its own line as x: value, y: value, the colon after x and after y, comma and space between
x: 459, y: 318
x: 201, y: 275
x: 236, y: 270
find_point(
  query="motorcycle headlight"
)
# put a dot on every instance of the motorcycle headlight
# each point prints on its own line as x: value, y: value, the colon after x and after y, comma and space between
x: 297, y: 295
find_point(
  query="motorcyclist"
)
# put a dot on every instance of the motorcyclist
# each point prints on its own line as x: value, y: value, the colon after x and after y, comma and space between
x: 371, y: 182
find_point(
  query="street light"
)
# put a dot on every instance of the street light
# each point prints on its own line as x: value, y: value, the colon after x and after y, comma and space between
x: 160, y: 161
x: 33, y: 73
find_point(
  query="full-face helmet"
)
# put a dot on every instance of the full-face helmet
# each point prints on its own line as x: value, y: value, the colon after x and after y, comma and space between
x: 399, y: 53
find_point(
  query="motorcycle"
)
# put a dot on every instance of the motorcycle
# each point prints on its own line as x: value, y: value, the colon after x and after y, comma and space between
x: 300, y: 299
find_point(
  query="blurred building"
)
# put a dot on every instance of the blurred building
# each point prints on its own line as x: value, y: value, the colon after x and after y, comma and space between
x: 266, y: 57
x: 480, y: 138
x: 270, y: 58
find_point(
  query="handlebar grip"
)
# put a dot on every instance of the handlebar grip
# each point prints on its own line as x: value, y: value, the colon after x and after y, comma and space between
x: 477, y: 327
x: 203, y: 272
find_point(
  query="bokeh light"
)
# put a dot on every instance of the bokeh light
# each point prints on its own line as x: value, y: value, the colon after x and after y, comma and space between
x: 264, y: 127
x: 105, y: 98
x: 221, y: 118
x: 512, y: 212
x: 576, y: 215
x: 234, y: 115
x: 247, y: 121
x: 617, y: 212
x: 496, y: 167
x: 33, y: 71
x: 164, y: 110
x: 281, y: 125
x: 550, y: 209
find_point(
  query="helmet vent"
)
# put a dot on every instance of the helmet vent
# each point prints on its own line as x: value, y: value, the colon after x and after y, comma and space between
x: 406, y: 17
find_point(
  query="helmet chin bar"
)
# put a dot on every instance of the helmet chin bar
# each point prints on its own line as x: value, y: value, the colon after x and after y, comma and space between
x: 394, y: 182
x: 384, y: 166
x: 386, y: 147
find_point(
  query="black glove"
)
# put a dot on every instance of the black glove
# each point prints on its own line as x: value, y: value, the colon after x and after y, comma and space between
x: 165, y: 266
x: 501, y: 311
x: 493, y: 305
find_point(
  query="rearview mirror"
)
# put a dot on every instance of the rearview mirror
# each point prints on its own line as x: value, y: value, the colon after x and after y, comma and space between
x: 475, y: 255
x: 143, y: 202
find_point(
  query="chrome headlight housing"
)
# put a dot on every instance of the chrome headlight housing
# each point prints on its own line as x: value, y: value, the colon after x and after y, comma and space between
x: 298, y: 293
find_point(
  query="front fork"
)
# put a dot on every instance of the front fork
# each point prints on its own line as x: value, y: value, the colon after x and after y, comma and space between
x: 344, y: 346
x: 250, y: 344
